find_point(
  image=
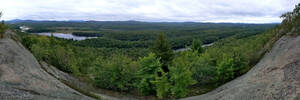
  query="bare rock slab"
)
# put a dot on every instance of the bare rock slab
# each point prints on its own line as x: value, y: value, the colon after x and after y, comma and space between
x: 22, y: 78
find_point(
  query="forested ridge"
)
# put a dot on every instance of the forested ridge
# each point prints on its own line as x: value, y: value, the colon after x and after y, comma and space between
x: 123, y: 59
x: 143, y: 34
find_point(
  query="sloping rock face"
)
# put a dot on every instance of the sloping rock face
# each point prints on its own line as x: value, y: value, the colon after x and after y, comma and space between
x: 22, y: 78
x: 275, y: 77
x: 58, y: 74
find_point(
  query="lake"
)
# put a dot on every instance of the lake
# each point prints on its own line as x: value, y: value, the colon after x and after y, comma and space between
x: 65, y: 36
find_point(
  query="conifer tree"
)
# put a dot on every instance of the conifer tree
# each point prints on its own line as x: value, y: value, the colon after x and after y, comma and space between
x: 197, y: 46
x: 162, y: 50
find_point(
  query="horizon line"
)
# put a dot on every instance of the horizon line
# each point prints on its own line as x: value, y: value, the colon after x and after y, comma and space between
x: 217, y: 22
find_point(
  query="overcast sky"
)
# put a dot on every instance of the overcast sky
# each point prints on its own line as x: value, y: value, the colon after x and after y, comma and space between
x: 244, y: 11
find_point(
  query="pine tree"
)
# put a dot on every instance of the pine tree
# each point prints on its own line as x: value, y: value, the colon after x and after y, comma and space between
x: 224, y: 69
x: 197, y: 46
x: 181, y: 75
x: 162, y: 84
x: 149, y: 67
x: 162, y: 50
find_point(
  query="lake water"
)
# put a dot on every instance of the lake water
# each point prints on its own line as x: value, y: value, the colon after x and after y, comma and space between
x: 183, y: 49
x: 65, y: 36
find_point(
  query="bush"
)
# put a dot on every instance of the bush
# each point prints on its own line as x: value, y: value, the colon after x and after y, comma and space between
x: 162, y: 84
x: 175, y: 83
x: 225, y: 69
x: 197, y: 46
x: 63, y: 58
x: 204, y: 70
x: 2, y: 29
x: 149, y: 68
x: 162, y: 49
x: 117, y: 73
x: 181, y: 75
x: 39, y: 46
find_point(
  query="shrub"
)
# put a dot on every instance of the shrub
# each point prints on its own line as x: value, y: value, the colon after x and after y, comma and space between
x: 149, y: 68
x: 162, y: 84
x: 225, y: 69
x: 181, y: 75
x: 117, y: 73
x: 197, y: 46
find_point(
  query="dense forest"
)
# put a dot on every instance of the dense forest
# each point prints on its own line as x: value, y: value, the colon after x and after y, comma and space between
x: 132, y: 38
x: 138, y: 57
x: 128, y: 34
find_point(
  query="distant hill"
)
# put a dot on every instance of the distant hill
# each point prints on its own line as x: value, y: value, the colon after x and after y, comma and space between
x: 131, y: 25
x: 129, y: 21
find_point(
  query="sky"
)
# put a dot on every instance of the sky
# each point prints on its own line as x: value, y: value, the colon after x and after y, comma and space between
x: 233, y: 11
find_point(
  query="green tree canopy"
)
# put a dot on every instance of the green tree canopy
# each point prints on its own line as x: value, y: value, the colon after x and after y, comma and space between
x: 197, y: 46
x: 181, y: 75
x: 162, y: 50
x: 115, y: 73
x: 149, y: 67
x: 292, y: 18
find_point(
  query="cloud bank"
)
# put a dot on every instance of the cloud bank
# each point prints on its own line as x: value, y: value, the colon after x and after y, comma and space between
x: 242, y: 11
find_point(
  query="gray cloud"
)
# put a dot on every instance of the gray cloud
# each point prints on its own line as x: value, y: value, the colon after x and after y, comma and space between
x: 246, y: 11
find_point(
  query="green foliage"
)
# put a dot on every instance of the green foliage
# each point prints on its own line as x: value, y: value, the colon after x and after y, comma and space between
x: 29, y: 40
x: 49, y: 50
x: 63, y: 58
x: 120, y: 59
x: 54, y: 52
x: 2, y: 27
x: 115, y: 73
x: 131, y: 34
x: 224, y: 70
x: 162, y: 50
x: 291, y: 19
x: 197, y: 46
x: 112, y: 43
x: 240, y: 63
x: 149, y: 68
x: 174, y: 83
x: 39, y: 46
x: 87, y: 34
x: 162, y: 84
x: 223, y: 61
x: 181, y: 75
x: 204, y: 70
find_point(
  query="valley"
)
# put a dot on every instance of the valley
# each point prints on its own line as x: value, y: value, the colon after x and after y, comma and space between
x: 235, y: 54
x: 115, y: 59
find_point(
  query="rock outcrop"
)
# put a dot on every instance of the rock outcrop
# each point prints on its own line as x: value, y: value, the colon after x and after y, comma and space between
x: 275, y: 77
x: 22, y: 78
